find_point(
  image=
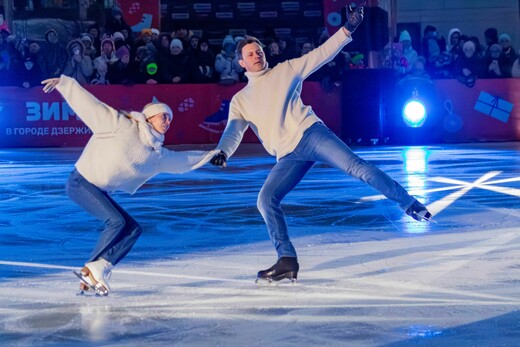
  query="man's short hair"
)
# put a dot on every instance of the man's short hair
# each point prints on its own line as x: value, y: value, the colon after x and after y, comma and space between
x: 247, y: 40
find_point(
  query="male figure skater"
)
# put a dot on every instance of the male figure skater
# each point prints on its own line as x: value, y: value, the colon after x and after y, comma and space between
x: 125, y: 150
x: 270, y: 104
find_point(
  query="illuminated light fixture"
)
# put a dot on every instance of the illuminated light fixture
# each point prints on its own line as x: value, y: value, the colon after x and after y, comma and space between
x: 414, y: 111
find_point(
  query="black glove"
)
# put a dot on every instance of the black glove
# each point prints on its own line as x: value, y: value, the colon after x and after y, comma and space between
x: 354, y: 16
x: 219, y: 159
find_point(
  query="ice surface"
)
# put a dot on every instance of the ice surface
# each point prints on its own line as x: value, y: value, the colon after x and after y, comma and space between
x: 369, y: 275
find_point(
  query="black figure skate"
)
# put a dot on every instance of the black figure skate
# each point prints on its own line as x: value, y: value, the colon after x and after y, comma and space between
x: 285, y: 267
x: 419, y: 212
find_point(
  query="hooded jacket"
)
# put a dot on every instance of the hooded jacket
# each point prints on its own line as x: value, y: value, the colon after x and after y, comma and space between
x: 81, y: 70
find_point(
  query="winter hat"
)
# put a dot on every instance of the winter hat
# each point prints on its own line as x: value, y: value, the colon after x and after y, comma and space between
x: 228, y: 40
x: 469, y: 48
x: 152, y: 109
x: 118, y: 36
x: 122, y: 51
x: 504, y: 37
x: 155, y: 31
x: 86, y: 37
x: 146, y: 31
x: 176, y: 43
x: 48, y: 32
x: 110, y: 42
x: 405, y: 36
x: 107, y: 40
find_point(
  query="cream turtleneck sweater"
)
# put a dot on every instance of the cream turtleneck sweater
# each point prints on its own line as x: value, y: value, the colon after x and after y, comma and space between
x: 271, y: 102
x: 124, y: 150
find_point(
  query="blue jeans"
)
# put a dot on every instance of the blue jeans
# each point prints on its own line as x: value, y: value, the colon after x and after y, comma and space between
x: 120, y: 230
x: 318, y: 144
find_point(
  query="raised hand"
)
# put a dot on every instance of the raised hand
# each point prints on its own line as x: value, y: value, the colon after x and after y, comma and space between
x: 50, y: 84
x: 354, y: 16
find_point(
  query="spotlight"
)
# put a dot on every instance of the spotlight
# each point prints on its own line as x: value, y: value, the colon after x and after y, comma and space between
x: 414, y: 111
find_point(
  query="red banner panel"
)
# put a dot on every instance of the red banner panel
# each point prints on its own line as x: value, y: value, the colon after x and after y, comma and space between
x: 461, y: 106
x: 31, y: 118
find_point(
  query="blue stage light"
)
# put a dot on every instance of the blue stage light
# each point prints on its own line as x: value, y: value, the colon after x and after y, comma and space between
x: 414, y: 111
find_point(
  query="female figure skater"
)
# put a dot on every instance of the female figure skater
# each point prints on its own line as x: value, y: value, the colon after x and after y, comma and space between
x: 125, y: 150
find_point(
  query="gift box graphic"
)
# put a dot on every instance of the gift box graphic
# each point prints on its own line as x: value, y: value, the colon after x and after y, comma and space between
x: 494, y: 106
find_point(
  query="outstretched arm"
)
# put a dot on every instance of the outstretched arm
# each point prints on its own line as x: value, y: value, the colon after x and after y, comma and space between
x: 183, y: 161
x: 98, y: 116
x: 311, y: 62
x: 229, y: 141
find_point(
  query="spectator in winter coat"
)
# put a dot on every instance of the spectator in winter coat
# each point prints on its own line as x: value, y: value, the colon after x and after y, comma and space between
x: 491, y: 37
x: 491, y: 64
x: 95, y: 34
x: 204, y: 63
x: 78, y: 66
x: 163, y: 46
x: 121, y: 71
x: 105, y: 59
x: 29, y: 72
x: 466, y: 69
x: 177, y: 67
x: 226, y: 62
x: 408, y: 54
x: 90, y: 50
x: 54, y: 54
x: 146, y: 69
x: 508, y: 55
x: 115, y: 21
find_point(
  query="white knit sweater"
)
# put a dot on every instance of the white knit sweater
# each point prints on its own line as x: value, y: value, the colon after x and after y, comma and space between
x: 271, y: 105
x: 123, y: 153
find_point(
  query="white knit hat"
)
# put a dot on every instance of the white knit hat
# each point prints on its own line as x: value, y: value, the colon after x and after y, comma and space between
x: 405, y: 36
x: 118, y: 36
x: 152, y: 109
x: 176, y: 43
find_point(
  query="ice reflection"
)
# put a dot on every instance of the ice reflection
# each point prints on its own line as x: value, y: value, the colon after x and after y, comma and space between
x: 423, y: 331
x: 94, y: 322
x: 416, y: 166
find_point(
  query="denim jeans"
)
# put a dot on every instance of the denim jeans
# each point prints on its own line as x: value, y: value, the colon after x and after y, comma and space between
x: 318, y: 144
x: 120, y: 230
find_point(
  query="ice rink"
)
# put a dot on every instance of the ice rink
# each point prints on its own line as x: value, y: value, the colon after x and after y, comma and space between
x: 369, y: 274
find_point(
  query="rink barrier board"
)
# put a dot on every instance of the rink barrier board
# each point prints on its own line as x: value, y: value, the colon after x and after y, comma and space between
x: 31, y: 118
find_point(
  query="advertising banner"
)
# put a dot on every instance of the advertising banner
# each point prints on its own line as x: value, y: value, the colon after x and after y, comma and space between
x: 31, y: 118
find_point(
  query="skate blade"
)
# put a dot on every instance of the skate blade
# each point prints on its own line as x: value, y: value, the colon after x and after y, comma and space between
x: 86, y: 293
x: 85, y: 285
x: 424, y: 218
x: 273, y: 282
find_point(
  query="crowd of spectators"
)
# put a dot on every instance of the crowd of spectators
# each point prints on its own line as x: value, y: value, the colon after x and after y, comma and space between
x: 116, y: 55
x: 460, y: 56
